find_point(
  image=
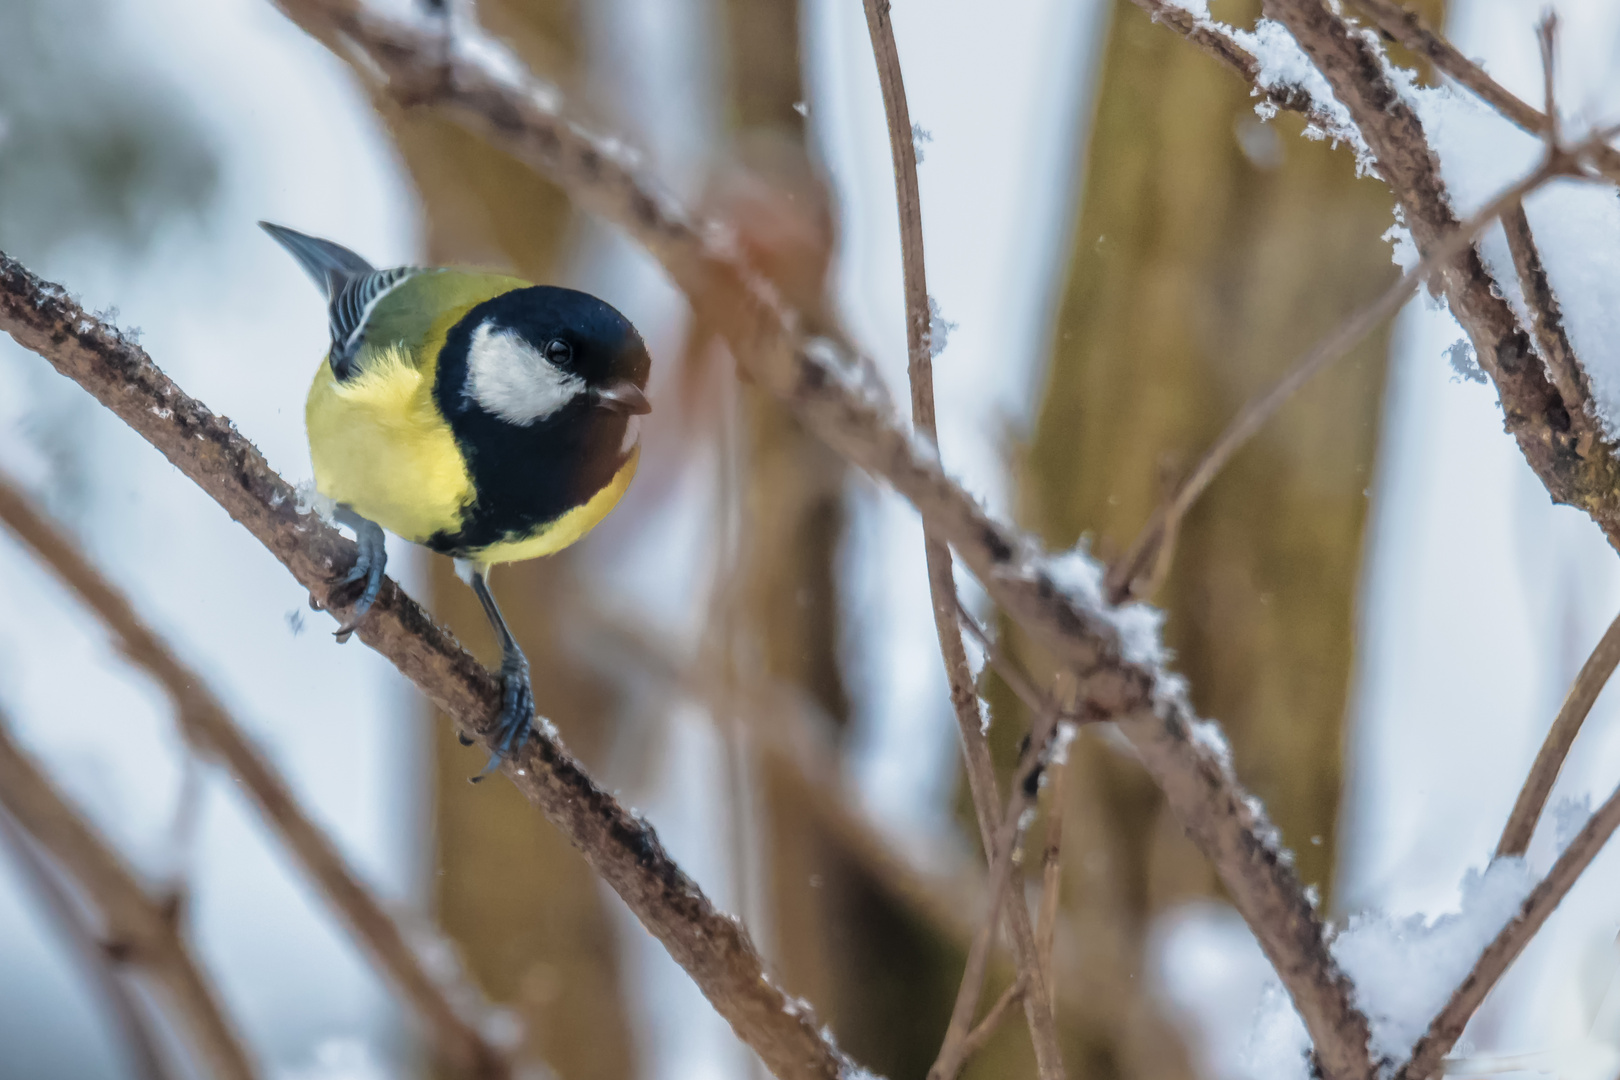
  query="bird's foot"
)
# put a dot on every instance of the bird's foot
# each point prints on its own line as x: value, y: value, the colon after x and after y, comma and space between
x: 517, y: 713
x: 368, y: 567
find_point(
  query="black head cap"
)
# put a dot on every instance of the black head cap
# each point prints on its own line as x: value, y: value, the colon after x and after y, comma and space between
x: 579, y: 333
x: 543, y: 352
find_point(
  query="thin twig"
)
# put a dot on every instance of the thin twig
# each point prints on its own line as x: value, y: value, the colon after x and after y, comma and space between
x: 1004, y: 855
x: 1547, y: 318
x: 1052, y: 866
x: 941, y: 576
x: 1217, y: 41
x: 205, y: 722
x: 1016, y: 678
x: 1594, y: 675
x: 139, y: 928
x: 1447, y: 1027
x: 952, y: 1049
x: 130, y: 1020
x: 1139, y: 574
x: 1546, y: 36
x: 987, y: 1027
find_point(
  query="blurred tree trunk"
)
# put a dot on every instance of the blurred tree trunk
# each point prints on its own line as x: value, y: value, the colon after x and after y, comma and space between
x: 1211, y: 251
x: 873, y: 971
x: 529, y: 916
x: 792, y: 519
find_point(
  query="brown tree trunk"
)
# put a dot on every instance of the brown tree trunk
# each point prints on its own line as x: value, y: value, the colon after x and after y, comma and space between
x: 529, y: 916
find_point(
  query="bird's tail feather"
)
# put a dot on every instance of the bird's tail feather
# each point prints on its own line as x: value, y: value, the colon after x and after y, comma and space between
x: 331, y: 265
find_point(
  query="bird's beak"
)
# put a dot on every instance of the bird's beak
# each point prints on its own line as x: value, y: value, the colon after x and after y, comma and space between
x: 623, y: 396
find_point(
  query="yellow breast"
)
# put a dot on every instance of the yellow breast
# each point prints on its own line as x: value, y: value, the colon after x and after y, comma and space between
x: 379, y: 445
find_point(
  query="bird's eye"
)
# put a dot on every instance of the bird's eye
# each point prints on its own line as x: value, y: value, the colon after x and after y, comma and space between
x: 559, y: 351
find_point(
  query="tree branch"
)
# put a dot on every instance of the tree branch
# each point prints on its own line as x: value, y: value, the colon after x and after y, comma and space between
x: 1547, y: 320
x: 1594, y: 675
x: 138, y: 928
x: 1408, y: 28
x: 451, y: 1011
x: 1561, y: 444
x: 1003, y: 850
x: 713, y: 948
x: 1552, y: 437
x: 942, y: 591
x: 986, y: 1028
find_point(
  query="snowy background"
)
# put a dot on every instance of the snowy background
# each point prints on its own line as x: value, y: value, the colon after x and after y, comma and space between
x: 1479, y: 603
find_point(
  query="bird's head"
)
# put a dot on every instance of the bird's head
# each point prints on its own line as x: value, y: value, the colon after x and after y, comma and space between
x: 543, y: 353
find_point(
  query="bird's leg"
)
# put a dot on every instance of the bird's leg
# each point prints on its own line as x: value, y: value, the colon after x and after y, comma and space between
x: 517, y: 696
x: 368, y: 566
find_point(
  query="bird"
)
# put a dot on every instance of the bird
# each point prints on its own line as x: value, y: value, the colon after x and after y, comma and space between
x: 481, y: 416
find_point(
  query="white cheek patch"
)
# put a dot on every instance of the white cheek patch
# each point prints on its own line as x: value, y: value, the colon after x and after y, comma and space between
x: 513, y: 380
x: 632, y: 435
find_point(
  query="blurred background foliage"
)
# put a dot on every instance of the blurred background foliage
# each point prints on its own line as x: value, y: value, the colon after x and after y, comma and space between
x: 116, y: 157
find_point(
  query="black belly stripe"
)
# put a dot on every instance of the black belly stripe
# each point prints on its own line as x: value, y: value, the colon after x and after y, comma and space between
x: 527, y: 478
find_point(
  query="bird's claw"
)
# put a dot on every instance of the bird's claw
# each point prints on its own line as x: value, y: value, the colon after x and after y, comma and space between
x: 517, y: 714
x: 368, y: 566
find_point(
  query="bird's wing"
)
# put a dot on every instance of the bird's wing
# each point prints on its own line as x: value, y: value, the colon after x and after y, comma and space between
x: 351, y: 308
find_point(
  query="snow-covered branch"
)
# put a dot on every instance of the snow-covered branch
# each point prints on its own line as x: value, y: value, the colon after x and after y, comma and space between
x: 1560, y: 439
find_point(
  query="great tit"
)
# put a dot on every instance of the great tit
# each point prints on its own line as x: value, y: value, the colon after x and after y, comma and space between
x: 481, y: 416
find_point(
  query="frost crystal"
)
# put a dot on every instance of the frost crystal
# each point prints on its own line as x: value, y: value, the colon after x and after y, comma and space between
x: 1066, y: 732
x: 1460, y: 355
x: 1404, y: 251
x: 1569, y: 818
x: 939, y: 329
x: 920, y: 135
x: 1209, y: 735
x: 312, y: 501
x: 1284, y: 68
x: 1080, y: 575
